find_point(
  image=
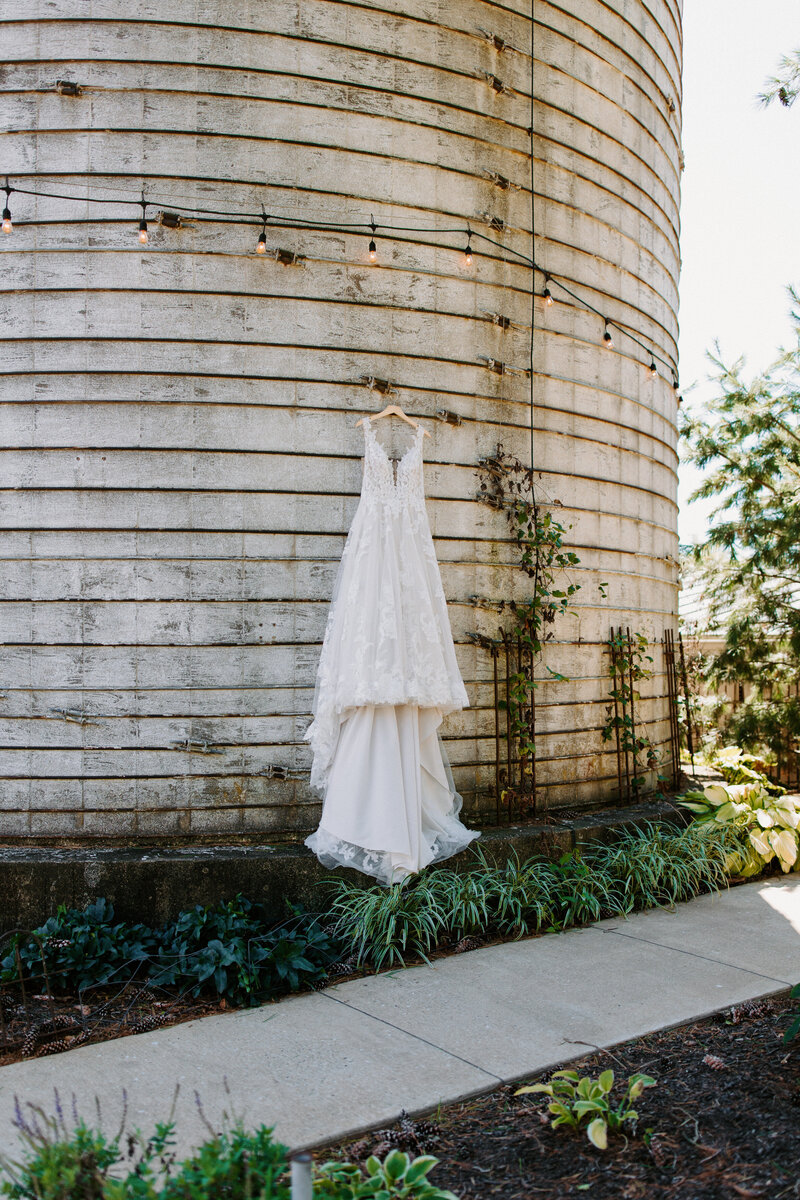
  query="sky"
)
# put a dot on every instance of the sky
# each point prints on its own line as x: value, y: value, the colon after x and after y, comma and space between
x: 740, y: 232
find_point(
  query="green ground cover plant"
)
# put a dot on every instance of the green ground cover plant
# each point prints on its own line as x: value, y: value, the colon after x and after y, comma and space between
x: 233, y: 949
x: 63, y: 1160
x: 573, y: 1100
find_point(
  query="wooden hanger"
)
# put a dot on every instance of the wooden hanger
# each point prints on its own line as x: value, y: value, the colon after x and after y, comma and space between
x: 393, y: 410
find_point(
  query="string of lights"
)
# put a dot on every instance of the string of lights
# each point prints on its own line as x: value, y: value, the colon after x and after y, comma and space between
x: 608, y: 325
x: 264, y: 220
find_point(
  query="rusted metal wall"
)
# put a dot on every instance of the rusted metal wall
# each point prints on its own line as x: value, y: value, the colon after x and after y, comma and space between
x: 180, y: 462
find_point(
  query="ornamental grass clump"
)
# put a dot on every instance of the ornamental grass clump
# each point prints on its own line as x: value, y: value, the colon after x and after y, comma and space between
x: 647, y: 866
x: 383, y: 925
x: 656, y: 865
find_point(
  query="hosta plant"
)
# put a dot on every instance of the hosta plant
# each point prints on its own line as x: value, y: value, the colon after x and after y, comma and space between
x: 574, y: 1100
x: 736, y: 766
x: 396, y: 1178
x: 769, y: 823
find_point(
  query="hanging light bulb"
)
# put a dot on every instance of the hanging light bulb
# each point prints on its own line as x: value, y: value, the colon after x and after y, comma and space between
x: 468, y: 248
x: 261, y: 248
x: 548, y: 297
x: 373, y: 249
x: 143, y: 222
x: 7, y: 226
x: 653, y: 368
x: 608, y: 339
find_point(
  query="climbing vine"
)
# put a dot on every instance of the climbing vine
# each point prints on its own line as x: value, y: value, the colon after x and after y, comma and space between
x: 506, y: 484
x: 628, y: 665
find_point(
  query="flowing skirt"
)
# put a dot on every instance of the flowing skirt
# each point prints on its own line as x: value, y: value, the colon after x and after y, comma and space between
x: 390, y: 805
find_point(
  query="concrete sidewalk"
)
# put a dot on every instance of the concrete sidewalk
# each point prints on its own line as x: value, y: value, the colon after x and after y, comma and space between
x: 323, y: 1065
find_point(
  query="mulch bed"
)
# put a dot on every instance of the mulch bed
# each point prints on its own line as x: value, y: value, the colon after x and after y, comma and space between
x: 722, y: 1123
x: 36, y: 1025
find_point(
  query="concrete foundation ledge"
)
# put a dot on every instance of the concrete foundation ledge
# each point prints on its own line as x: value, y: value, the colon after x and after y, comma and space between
x: 154, y: 884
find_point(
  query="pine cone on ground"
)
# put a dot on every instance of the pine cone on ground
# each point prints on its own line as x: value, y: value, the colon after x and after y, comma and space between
x: 467, y: 943
x: 715, y: 1063
x: 345, y: 966
x: 747, y: 1011
x: 147, y: 1023
x: 41, y: 1028
x: 409, y: 1134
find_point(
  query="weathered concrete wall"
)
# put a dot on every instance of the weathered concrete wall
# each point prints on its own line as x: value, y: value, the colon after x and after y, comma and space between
x: 179, y: 457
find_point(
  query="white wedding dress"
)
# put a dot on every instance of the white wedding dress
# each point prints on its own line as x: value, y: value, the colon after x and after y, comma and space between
x: 387, y: 676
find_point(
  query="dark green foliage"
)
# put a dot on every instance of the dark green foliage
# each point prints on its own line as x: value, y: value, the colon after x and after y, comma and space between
x: 234, y: 1164
x: 233, y: 949
x: 83, y: 947
x: 63, y: 1163
x: 63, y: 1168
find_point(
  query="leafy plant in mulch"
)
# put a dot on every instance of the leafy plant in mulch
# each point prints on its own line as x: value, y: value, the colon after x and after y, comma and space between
x: 64, y: 1160
x: 397, y: 1176
x: 232, y: 949
x: 575, y: 1099
x: 646, y: 866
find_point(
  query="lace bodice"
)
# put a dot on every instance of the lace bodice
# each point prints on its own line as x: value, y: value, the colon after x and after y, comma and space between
x: 387, y: 638
x: 394, y: 486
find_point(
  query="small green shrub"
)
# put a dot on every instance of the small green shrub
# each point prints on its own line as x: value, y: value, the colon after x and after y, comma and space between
x: 79, y: 1163
x: 62, y: 1163
x: 574, y: 1100
x: 61, y: 1168
x: 232, y: 948
x: 386, y: 924
x: 397, y: 1176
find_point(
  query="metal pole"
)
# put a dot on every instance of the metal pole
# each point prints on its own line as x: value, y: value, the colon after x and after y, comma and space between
x: 509, y: 751
x: 301, y: 1176
x: 613, y: 650
x: 496, y: 740
x: 533, y: 732
x: 633, y: 718
x: 689, y: 734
